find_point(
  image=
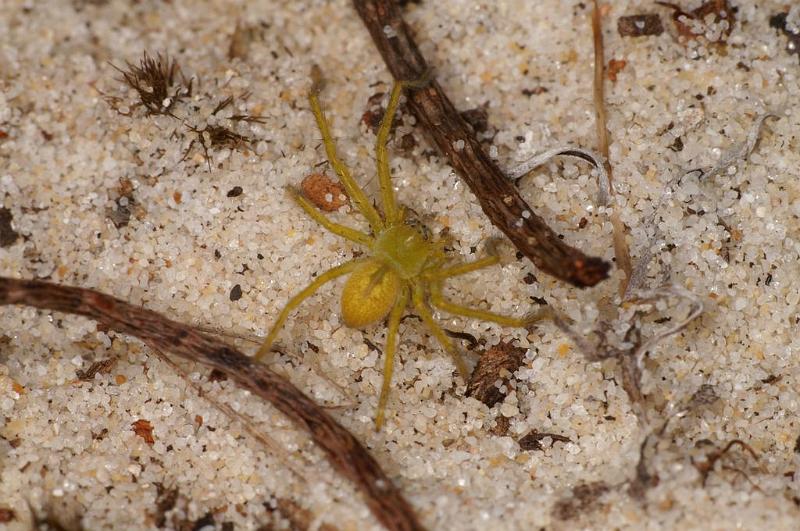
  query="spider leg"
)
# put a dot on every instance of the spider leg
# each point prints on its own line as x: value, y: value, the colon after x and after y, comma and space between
x: 353, y: 190
x: 439, y: 301
x: 461, y: 269
x: 422, y: 308
x: 295, y: 301
x: 390, y: 209
x: 389, y: 350
x: 340, y: 230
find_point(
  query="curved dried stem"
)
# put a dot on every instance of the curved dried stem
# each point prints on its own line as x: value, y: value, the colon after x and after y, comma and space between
x: 344, y: 452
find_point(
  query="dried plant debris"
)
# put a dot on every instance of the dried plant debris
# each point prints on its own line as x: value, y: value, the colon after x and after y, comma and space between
x: 739, y: 153
x: 712, y: 22
x: 98, y: 367
x: 615, y: 66
x: 533, y: 440
x: 705, y: 464
x: 162, y: 88
x: 644, y: 479
x: 587, y: 155
x: 640, y: 25
x: 324, y: 192
x: 728, y: 163
x: 619, y: 230
x: 144, y: 429
x: 8, y: 236
x: 214, y: 135
x: 492, y: 376
x: 582, y: 499
x: 456, y: 140
x: 155, y: 81
x: 622, y: 338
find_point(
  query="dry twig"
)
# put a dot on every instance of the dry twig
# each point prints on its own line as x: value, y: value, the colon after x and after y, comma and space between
x: 621, y: 251
x: 498, y: 198
x: 344, y: 451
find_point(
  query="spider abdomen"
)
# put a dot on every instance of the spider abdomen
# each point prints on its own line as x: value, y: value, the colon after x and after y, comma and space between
x: 369, y: 294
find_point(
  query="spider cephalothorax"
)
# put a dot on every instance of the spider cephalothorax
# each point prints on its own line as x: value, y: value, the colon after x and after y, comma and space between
x: 402, y: 265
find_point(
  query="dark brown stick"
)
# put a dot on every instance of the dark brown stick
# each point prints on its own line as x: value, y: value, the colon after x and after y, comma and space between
x: 344, y: 451
x: 496, y: 194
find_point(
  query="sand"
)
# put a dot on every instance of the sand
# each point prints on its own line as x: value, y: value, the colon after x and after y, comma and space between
x: 101, y: 195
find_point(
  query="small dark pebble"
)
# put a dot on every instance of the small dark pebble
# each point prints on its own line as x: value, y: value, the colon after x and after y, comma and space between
x: 677, y: 145
x: 236, y: 293
x: 640, y: 25
x: 582, y: 223
x: 236, y: 191
x: 529, y: 279
x: 7, y: 233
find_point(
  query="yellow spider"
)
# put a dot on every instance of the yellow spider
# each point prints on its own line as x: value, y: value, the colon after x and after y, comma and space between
x: 402, y: 264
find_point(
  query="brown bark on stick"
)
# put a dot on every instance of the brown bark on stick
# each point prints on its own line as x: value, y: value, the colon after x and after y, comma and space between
x: 344, y: 452
x: 498, y: 197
